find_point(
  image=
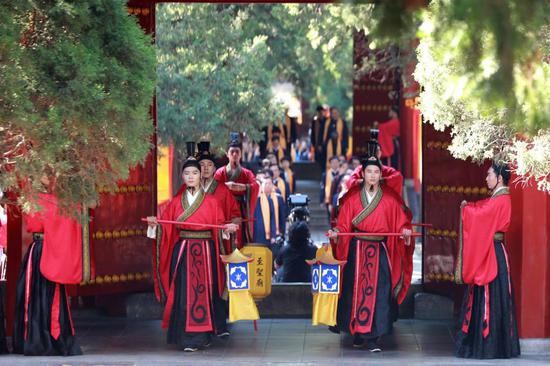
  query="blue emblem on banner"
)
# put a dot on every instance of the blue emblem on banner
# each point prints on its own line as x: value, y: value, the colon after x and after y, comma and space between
x: 238, y: 276
x: 330, y: 278
x: 315, y: 277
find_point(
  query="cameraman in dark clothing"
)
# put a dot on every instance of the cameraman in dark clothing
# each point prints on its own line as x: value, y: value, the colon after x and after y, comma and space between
x: 291, y: 261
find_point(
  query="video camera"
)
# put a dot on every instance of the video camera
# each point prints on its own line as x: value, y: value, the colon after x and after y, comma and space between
x: 298, y: 205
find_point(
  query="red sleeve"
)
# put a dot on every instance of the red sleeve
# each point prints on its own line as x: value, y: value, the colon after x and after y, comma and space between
x: 162, y: 250
x: 34, y: 222
x: 344, y: 225
x: 66, y: 256
x: 393, y: 179
x: 476, y: 260
x: 220, y: 175
x: 400, y: 254
x: 355, y: 177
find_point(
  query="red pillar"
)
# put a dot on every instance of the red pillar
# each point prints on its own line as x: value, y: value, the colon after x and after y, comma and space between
x: 15, y: 241
x: 529, y: 247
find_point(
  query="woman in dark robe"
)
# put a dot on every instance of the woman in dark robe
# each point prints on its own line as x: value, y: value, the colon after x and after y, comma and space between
x: 59, y: 255
x: 488, y: 316
x: 189, y: 275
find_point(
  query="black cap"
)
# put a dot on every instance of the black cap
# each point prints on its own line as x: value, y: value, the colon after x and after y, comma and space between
x: 372, y: 148
x: 204, y: 151
x: 190, y: 147
x: 235, y: 140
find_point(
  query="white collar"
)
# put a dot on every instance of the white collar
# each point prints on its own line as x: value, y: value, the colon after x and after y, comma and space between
x: 206, y: 187
x: 191, y: 197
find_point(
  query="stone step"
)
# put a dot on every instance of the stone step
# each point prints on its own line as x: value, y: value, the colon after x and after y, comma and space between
x: 287, y: 300
x: 307, y: 171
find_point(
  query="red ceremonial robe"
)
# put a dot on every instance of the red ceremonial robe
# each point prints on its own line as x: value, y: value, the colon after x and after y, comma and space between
x: 480, y: 221
x: 388, y: 131
x: 204, y: 210
x: 65, y: 258
x: 246, y: 199
x: 226, y: 201
x: 393, y: 185
x: 66, y: 254
x: 384, y: 214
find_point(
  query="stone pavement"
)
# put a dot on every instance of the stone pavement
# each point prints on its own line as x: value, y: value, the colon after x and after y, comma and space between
x: 119, y: 341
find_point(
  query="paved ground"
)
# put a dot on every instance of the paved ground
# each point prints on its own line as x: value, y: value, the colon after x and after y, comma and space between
x: 117, y: 341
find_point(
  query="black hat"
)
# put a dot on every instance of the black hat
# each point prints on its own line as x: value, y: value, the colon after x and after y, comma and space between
x: 204, y: 151
x: 372, y: 148
x: 190, y: 147
x: 235, y: 140
x: 190, y: 161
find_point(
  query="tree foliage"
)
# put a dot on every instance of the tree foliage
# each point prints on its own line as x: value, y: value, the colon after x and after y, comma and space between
x: 204, y: 71
x: 77, y: 81
x: 484, y: 71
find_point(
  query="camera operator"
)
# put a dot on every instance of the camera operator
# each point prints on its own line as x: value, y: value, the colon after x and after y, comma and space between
x: 291, y: 261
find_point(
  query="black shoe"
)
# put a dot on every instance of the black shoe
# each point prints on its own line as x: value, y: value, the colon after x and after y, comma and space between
x: 358, y: 341
x: 373, y: 346
x: 334, y: 329
x: 224, y: 333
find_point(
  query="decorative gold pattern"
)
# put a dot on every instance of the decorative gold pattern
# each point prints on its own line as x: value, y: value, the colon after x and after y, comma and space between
x: 435, y: 276
x: 457, y: 189
x: 444, y: 233
x: 139, y: 11
x: 117, y: 278
x: 438, y: 145
x: 123, y: 189
x: 189, y: 234
x: 374, y: 87
x: 117, y: 234
x: 372, y: 107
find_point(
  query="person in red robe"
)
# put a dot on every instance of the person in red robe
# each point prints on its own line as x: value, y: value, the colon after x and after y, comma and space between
x: 188, y: 273
x: 389, y: 138
x: 59, y: 255
x: 373, y: 277
x: 223, y: 195
x: 488, y: 317
x: 243, y: 185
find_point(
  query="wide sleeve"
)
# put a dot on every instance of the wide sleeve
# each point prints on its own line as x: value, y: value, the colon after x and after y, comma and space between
x: 356, y: 177
x: 343, y: 225
x: 393, y: 179
x: 476, y: 259
x: 166, y: 237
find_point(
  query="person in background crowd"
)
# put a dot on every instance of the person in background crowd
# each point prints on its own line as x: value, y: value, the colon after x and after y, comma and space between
x: 315, y: 133
x: 389, y: 139
x: 326, y: 183
x: 354, y: 162
x: 335, y: 136
x: 242, y: 184
x: 288, y: 174
x: 279, y: 182
x: 269, y: 215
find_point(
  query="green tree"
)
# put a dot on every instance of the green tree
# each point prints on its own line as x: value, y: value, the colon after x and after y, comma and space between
x: 212, y: 79
x: 77, y: 83
x: 484, y: 71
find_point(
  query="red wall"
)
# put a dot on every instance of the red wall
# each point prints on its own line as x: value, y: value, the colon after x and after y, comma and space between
x: 528, y: 242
